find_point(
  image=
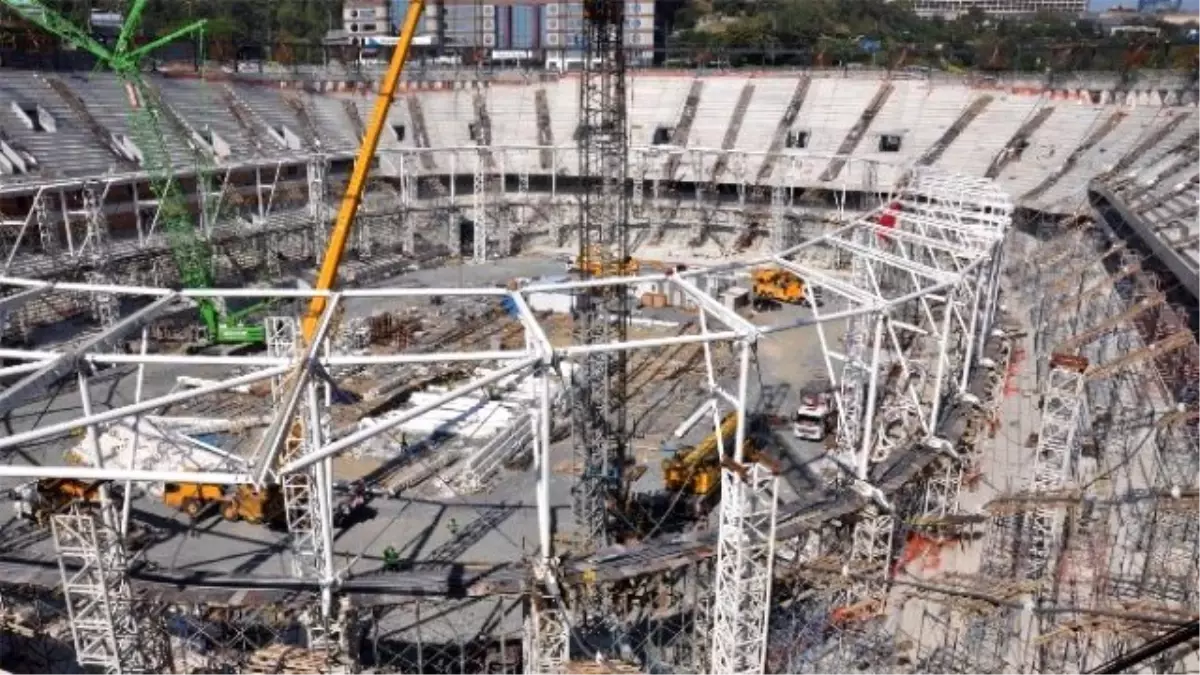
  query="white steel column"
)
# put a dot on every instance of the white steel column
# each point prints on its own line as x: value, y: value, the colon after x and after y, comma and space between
x: 522, y: 205
x: 92, y: 562
x: 745, y: 553
x: 281, y: 332
x: 302, y: 490
x: 778, y: 236
x: 96, y: 238
x: 1053, y: 464
x: 47, y: 228
x: 547, y: 634
x: 480, y: 232
x: 854, y: 371
x: 408, y: 197
x: 318, y: 206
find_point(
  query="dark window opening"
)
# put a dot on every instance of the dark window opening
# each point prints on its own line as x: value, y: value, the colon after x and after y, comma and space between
x: 662, y: 136
x: 34, y: 119
x: 473, y: 131
x: 889, y: 143
x: 398, y: 129
x: 797, y: 139
x: 293, y: 172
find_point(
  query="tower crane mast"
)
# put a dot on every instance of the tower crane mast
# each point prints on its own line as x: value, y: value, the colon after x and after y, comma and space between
x: 602, y: 315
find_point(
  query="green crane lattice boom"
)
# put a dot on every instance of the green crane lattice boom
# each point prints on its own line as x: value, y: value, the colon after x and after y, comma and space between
x: 192, y: 254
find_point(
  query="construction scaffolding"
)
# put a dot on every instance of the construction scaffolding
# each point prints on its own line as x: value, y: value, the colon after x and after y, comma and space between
x: 602, y: 314
x: 99, y: 600
x: 1088, y: 540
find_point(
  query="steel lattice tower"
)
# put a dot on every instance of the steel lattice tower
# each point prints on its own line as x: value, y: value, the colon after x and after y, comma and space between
x: 602, y: 316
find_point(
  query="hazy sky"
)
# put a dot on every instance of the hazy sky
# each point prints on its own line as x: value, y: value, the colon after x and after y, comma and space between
x: 1188, y: 5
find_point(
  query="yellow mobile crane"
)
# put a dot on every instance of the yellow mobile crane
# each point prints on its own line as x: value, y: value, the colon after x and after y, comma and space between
x: 336, y: 249
x: 698, y: 469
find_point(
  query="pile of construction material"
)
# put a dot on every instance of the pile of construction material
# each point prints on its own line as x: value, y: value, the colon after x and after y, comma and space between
x: 600, y: 667
x: 472, y: 474
x: 162, y: 444
x: 279, y: 658
x: 481, y: 415
x: 656, y: 294
x: 396, y: 329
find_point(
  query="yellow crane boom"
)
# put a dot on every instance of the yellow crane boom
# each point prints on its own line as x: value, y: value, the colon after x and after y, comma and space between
x: 362, y: 167
x: 697, y: 467
x: 294, y: 425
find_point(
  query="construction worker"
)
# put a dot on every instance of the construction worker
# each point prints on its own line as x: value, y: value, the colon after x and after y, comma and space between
x: 391, y: 559
x: 453, y: 527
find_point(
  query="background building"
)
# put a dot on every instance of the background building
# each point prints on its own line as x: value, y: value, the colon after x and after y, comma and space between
x: 366, y: 18
x: 544, y: 28
x: 952, y: 8
x: 1151, y: 6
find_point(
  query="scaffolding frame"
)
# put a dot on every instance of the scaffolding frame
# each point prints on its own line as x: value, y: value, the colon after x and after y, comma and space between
x: 92, y: 563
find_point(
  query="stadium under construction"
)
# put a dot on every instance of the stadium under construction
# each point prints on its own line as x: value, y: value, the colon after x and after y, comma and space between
x: 611, y: 371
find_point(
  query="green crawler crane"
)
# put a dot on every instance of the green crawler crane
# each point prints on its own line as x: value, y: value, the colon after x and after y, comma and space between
x: 192, y: 254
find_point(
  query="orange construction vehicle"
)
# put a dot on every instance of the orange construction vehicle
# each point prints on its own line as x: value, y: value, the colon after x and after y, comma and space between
x: 779, y: 285
x: 245, y: 502
x: 596, y: 262
x: 38, y: 501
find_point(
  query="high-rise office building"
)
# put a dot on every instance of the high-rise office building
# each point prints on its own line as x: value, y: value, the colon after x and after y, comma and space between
x: 523, y: 25
x: 952, y: 8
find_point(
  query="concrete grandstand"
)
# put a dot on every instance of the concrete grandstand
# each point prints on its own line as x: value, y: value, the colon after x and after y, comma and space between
x: 740, y: 132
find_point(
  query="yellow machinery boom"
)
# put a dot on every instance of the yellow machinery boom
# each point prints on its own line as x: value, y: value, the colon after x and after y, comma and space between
x: 336, y: 249
x: 362, y: 167
x: 244, y: 502
x: 698, y: 468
